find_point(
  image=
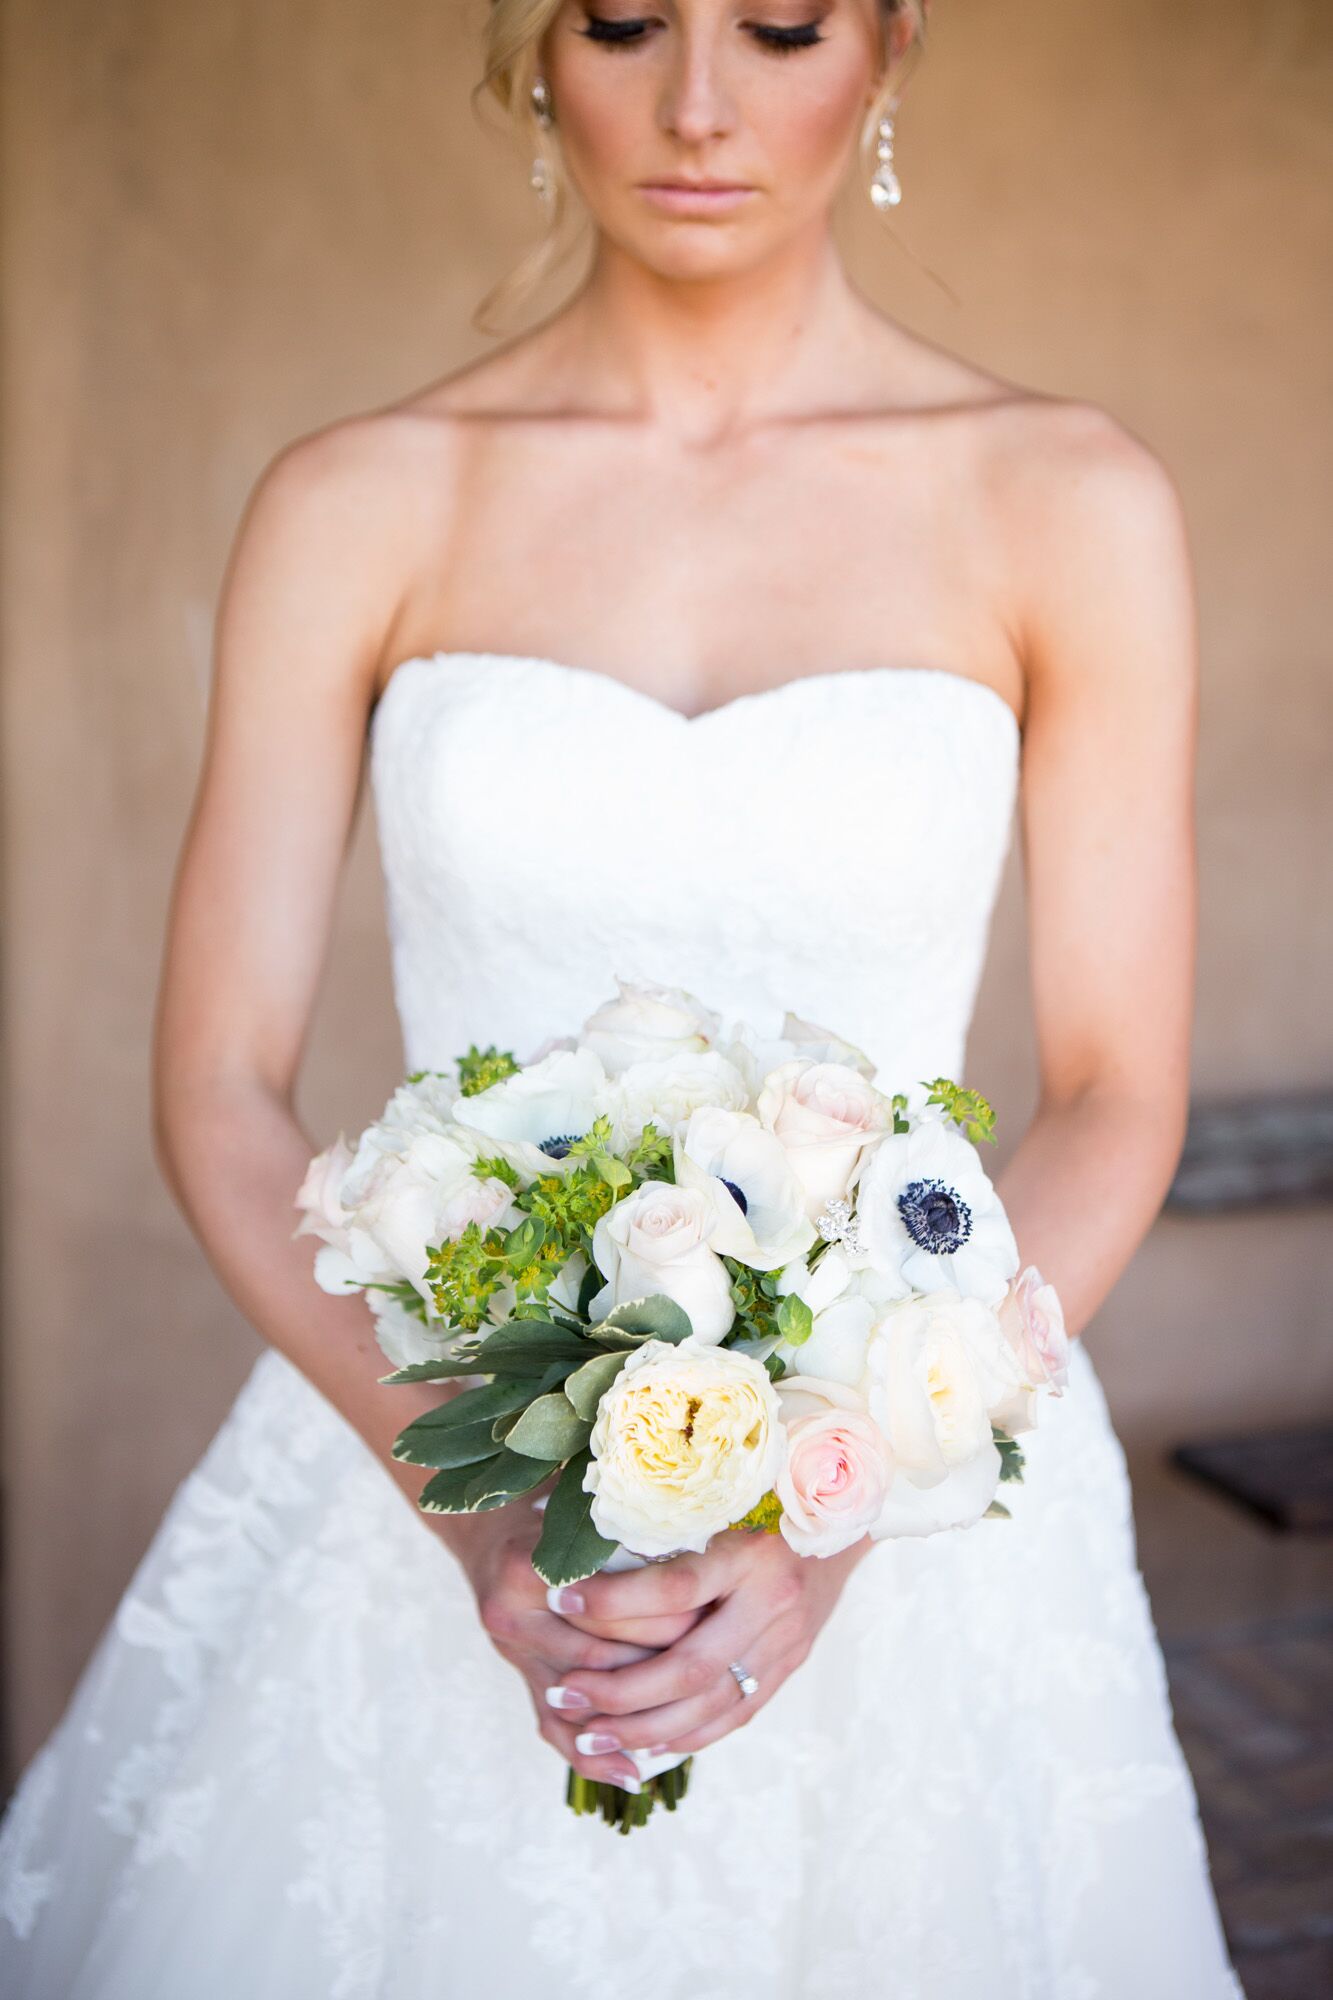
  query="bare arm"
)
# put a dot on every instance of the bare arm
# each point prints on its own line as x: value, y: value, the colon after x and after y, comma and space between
x: 1108, y: 843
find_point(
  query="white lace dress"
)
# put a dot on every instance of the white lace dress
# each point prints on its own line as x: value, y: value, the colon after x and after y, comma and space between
x: 295, y: 1769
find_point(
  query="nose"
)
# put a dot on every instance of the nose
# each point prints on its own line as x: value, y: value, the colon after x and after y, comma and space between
x: 696, y: 105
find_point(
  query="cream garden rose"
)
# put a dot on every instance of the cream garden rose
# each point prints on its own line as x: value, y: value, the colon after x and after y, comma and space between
x: 687, y: 1440
x: 657, y: 1240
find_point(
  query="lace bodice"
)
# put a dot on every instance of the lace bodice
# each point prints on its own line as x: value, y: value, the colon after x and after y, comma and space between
x: 831, y: 845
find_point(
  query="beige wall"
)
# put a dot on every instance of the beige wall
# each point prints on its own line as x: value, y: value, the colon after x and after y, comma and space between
x: 230, y: 220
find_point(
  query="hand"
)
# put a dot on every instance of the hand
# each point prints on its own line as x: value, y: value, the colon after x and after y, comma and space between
x: 752, y: 1600
x: 495, y: 1550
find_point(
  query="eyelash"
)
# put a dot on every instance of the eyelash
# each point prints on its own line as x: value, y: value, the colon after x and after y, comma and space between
x: 629, y: 34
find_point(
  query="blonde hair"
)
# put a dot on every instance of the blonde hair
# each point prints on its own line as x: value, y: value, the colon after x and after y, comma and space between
x: 514, y: 33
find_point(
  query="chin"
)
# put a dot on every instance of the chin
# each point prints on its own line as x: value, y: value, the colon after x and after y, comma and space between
x: 696, y: 251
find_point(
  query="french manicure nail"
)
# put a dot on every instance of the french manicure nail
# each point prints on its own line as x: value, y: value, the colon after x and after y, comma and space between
x: 628, y: 1784
x: 561, y: 1597
x: 563, y: 1697
x: 595, y: 1743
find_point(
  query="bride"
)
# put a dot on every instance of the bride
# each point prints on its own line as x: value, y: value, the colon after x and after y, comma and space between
x: 702, y: 635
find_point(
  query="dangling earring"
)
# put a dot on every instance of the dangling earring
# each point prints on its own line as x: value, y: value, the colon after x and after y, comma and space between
x: 885, y: 191
x: 540, y: 178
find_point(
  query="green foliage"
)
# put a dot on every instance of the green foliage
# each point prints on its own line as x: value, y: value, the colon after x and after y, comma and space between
x: 1011, y: 1456
x: 464, y: 1274
x: 504, y: 1477
x: 569, y: 1206
x: 480, y: 1068
x: 493, y: 1167
x: 967, y: 1108
x: 588, y: 1384
x: 997, y: 1511
x: 796, y: 1322
x: 651, y: 1157
x: 755, y: 1297
x: 570, y: 1548
x: 404, y: 1291
x: 764, y: 1517
x: 901, y: 1122
x: 633, y: 1321
x: 550, y: 1428
x: 420, y: 1075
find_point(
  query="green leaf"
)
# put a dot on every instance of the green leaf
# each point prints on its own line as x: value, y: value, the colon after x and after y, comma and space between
x: 506, y: 1476
x: 587, y: 1385
x: 528, y: 1347
x: 549, y: 1428
x: 524, y: 1241
x: 570, y: 1547
x: 653, y: 1318
x: 1012, y: 1461
x: 433, y: 1371
x: 447, y: 1492
x: 795, y: 1320
x: 445, y: 1444
x: 490, y: 1400
x: 613, y: 1171
x: 997, y: 1511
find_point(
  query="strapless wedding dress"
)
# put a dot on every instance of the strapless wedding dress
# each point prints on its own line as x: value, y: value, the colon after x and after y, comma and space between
x: 295, y: 1768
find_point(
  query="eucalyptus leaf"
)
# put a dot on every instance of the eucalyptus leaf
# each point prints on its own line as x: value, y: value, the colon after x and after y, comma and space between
x: 528, y: 1347
x: 588, y: 1384
x: 549, y: 1428
x: 570, y: 1547
x: 433, y: 1371
x: 454, y: 1444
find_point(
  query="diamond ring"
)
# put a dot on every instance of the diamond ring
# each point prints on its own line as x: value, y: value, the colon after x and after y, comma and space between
x: 743, y: 1678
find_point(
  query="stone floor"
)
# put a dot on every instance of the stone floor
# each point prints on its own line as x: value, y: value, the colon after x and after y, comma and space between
x: 1246, y: 1620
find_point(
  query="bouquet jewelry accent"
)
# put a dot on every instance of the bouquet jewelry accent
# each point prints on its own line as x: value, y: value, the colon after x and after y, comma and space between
x: 691, y: 1279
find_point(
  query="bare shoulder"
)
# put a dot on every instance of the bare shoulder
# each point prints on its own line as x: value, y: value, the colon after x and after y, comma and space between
x: 1093, y: 539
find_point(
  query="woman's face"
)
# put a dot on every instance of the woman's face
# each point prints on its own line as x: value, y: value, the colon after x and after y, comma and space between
x: 704, y: 135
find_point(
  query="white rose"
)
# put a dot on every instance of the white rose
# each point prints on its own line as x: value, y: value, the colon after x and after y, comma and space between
x: 937, y: 1365
x: 838, y: 1466
x: 532, y: 1115
x: 657, y: 1240
x: 646, y: 1024
x: 687, y: 1440
x: 828, y: 1117
x: 757, y: 1056
x: 759, y: 1201
x: 668, y: 1092
x: 408, y: 1202
x: 319, y: 1197
x: 926, y: 1209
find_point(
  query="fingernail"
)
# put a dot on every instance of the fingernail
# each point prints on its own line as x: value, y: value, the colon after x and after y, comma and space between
x: 562, y: 1597
x: 563, y: 1697
x: 657, y: 1750
x: 595, y: 1743
x: 626, y: 1783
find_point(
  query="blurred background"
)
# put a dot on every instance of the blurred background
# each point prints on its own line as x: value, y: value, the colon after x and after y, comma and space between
x: 230, y: 222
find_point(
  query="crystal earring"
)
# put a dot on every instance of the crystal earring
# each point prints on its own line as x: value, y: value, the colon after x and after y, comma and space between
x: 885, y: 191
x: 540, y: 178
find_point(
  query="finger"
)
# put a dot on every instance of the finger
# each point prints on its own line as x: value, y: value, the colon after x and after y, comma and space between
x: 689, y: 1669
x: 605, y: 1769
x: 654, y: 1633
x: 524, y: 1633
x: 686, y: 1583
x: 721, y: 1706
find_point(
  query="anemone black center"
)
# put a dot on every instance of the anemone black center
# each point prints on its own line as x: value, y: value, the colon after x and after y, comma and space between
x: 558, y: 1145
x: 736, y: 1194
x: 935, y: 1216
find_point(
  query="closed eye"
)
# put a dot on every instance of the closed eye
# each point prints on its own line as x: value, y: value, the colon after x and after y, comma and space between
x: 629, y: 33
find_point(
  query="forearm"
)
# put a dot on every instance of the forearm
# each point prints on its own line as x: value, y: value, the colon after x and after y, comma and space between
x: 234, y: 1156
x: 1083, y: 1188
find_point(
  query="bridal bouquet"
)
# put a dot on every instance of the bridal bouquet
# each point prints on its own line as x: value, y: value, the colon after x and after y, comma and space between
x: 701, y: 1280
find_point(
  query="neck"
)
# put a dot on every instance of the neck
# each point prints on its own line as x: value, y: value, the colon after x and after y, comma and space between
x: 704, y: 357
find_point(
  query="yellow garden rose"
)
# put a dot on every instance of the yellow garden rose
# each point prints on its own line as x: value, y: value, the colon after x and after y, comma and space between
x: 687, y: 1439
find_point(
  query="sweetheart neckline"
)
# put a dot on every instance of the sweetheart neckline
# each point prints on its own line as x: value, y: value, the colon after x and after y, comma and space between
x: 447, y: 655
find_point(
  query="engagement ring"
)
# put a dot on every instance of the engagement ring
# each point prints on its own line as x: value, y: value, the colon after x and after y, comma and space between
x: 743, y: 1678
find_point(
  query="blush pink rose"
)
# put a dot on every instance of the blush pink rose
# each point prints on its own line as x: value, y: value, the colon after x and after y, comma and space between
x: 1034, y: 1325
x: 838, y: 1467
